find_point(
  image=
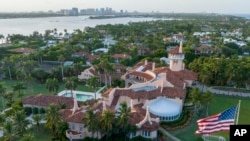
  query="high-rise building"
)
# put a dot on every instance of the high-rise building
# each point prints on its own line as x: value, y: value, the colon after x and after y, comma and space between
x: 75, y: 11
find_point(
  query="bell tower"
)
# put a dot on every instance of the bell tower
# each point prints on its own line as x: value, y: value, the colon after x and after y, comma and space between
x: 176, y: 57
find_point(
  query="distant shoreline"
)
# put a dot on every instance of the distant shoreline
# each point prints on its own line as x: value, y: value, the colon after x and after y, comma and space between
x: 136, y: 15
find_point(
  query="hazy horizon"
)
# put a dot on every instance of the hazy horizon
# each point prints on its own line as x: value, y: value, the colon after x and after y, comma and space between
x: 178, y: 6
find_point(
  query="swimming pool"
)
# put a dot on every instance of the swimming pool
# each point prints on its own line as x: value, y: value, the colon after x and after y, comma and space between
x: 80, y: 95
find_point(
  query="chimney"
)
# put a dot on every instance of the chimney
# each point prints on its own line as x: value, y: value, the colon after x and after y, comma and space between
x: 180, y: 48
x: 162, y: 85
x: 153, y: 66
x: 146, y: 62
x: 184, y: 85
x: 183, y: 66
x: 75, y: 104
x: 103, y: 106
x: 132, y: 106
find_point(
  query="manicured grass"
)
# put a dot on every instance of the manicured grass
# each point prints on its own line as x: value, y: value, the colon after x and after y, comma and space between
x: 219, y: 104
x: 43, y: 134
x: 38, y: 88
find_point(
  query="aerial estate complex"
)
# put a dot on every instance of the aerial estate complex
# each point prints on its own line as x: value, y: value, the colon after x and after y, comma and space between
x: 152, y: 94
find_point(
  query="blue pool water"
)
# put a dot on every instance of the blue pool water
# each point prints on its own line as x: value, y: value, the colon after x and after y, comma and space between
x: 79, y: 97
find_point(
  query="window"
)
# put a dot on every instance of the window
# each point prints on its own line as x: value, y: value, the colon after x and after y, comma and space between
x: 132, y: 134
x: 81, y: 128
x: 175, y: 61
x: 146, y: 133
x: 72, y: 126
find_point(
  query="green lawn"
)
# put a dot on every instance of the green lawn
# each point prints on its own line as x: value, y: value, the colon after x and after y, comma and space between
x: 219, y: 104
x: 43, y: 134
x: 38, y: 88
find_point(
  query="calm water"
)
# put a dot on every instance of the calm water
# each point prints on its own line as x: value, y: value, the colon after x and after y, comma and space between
x: 26, y: 26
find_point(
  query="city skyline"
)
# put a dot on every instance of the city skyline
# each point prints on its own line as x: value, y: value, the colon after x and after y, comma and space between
x: 190, y: 6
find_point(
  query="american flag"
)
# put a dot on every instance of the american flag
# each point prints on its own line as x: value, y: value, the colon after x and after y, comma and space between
x: 218, y: 122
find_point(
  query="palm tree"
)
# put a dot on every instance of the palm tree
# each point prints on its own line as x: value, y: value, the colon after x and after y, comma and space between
x: 37, y: 119
x: 20, y: 122
x: 53, y: 118
x: 27, y: 137
x: 77, y: 67
x: 9, y: 97
x: 122, y: 119
x: 61, y: 59
x: 91, y: 121
x: 196, y: 98
x: 207, y: 98
x: 71, y: 84
x: 93, y: 81
x: 2, y: 93
x: 9, y: 131
x: 107, y: 122
x: 29, y: 81
x: 61, y: 130
x: 18, y: 87
x: 52, y: 85
x: 8, y: 62
x: 103, y: 66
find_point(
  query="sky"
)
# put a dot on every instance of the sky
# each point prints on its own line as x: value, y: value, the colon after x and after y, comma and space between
x: 186, y: 6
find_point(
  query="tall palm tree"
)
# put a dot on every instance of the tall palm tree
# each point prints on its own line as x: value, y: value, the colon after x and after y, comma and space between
x: 71, y: 84
x: 37, y: 119
x: 122, y: 119
x: 20, y: 122
x: 8, y: 62
x: 9, y: 97
x: 9, y: 131
x: 91, y: 121
x: 61, y: 130
x: 18, y: 87
x: 196, y: 98
x: 53, y: 118
x: 207, y: 98
x: 61, y: 59
x: 107, y: 122
x: 52, y: 85
x: 93, y: 82
x: 2, y: 93
x: 103, y: 67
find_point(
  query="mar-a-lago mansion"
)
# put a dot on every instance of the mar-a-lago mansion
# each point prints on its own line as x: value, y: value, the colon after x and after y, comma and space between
x: 153, y: 94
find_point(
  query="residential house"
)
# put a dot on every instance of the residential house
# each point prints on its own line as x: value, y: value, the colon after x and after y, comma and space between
x: 176, y: 38
x: 23, y: 50
x: 89, y: 57
x: 119, y: 70
x: 204, y: 50
x: 119, y: 57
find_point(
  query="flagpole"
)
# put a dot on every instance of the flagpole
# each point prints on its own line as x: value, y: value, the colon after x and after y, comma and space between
x: 238, y: 113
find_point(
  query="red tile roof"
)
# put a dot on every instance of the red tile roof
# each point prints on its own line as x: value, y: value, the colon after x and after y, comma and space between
x: 122, y: 56
x: 45, y: 100
x: 23, y: 50
x: 139, y: 115
x: 175, y: 51
x: 141, y: 74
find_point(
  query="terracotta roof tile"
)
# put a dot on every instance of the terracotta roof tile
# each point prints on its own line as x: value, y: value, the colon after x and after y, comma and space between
x: 122, y: 56
x: 141, y: 74
x: 23, y: 50
x: 46, y: 100
x: 175, y: 51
